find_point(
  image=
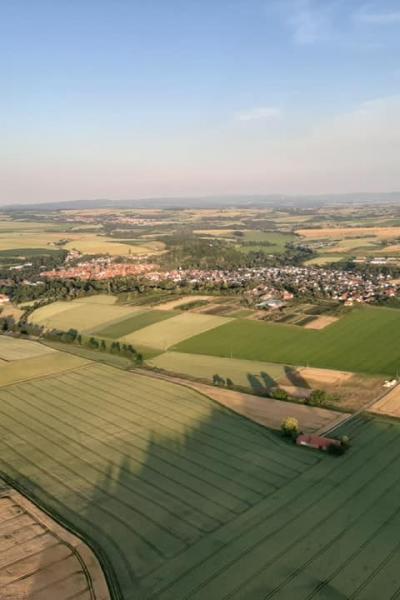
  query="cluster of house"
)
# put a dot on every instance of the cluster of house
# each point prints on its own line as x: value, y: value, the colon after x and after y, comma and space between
x: 98, y: 269
x: 268, y: 287
x: 276, y: 285
x: 348, y: 287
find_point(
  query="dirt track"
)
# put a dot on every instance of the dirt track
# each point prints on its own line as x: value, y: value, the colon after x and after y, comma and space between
x: 39, y: 559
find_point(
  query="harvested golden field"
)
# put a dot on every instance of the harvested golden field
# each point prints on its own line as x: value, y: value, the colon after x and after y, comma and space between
x: 39, y: 559
x: 345, y: 232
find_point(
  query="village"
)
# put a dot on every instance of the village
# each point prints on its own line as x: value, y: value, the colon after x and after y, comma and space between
x: 268, y: 287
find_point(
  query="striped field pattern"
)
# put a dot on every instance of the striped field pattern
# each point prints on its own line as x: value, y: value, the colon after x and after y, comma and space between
x: 182, y: 499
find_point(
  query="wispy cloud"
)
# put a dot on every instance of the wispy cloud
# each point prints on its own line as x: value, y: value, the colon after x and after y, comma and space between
x: 309, y: 21
x: 378, y: 18
x: 260, y: 113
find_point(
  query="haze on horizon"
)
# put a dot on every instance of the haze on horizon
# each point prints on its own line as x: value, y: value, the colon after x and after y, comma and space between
x: 123, y: 99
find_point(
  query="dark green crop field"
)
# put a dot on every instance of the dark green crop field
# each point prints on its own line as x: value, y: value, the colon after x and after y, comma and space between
x: 133, y: 323
x: 182, y: 499
x: 365, y: 341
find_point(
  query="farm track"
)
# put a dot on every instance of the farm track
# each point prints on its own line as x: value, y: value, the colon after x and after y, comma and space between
x: 182, y: 499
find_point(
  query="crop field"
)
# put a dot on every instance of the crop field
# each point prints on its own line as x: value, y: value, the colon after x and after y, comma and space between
x: 94, y: 244
x: 345, y: 232
x: 134, y: 322
x: 39, y: 366
x: 270, y: 242
x: 180, y: 498
x: 364, y: 341
x: 17, y: 349
x: 164, y: 334
x: 245, y: 373
x: 35, y: 238
x: 107, y: 299
x: 83, y: 316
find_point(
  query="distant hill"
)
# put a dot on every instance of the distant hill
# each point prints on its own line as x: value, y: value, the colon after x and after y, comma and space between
x: 273, y: 200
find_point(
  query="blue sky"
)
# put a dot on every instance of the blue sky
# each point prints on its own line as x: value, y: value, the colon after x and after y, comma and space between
x: 125, y: 98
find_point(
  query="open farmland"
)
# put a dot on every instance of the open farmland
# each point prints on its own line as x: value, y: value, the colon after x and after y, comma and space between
x: 270, y: 242
x: 245, y: 373
x: 94, y: 244
x: 30, y: 237
x: 364, y: 341
x: 352, y: 391
x: 134, y: 322
x: 83, y: 316
x: 39, y: 366
x: 143, y: 468
x: 22, y: 360
x: 182, y: 499
x: 350, y: 232
x: 17, y: 349
x: 166, y: 333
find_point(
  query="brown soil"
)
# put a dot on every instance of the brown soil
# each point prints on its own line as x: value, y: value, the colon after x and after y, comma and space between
x: 40, y: 560
x: 321, y: 322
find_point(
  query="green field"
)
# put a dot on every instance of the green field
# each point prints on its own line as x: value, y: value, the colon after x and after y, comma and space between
x: 134, y: 322
x: 364, y: 341
x: 270, y: 242
x: 256, y: 376
x: 182, y: 499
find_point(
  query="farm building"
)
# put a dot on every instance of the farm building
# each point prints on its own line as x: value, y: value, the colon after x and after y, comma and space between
x: 317, y: 442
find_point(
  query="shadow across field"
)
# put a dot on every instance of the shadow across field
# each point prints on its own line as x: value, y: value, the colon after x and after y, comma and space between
x: 140, y: 506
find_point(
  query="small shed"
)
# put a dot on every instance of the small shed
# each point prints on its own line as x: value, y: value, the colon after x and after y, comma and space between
x: 316, y: 441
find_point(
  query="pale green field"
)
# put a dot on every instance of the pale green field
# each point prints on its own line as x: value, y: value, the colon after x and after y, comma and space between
x: 93, y: 244
x: 324, y: 260
x: 83, y: 316
x: 39, y: 366
x: 17, y: 349
x: 244, y: 373
x: 167, y: 333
